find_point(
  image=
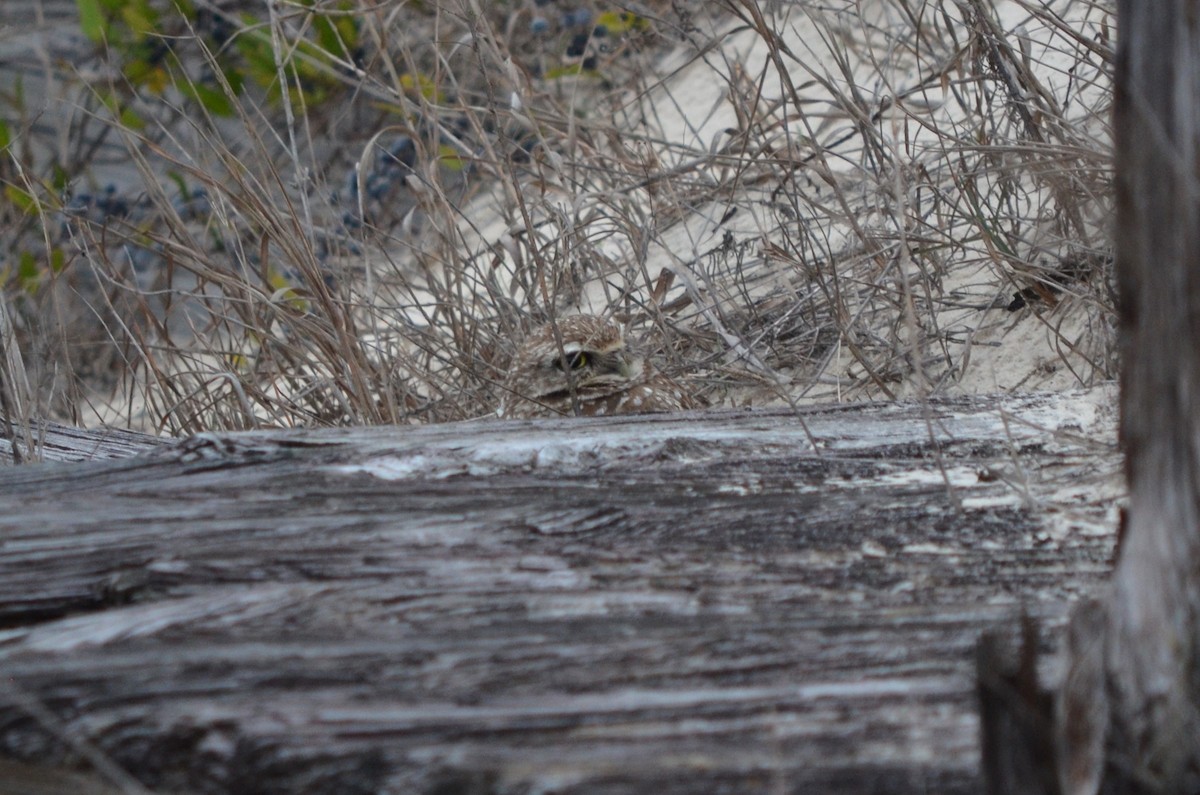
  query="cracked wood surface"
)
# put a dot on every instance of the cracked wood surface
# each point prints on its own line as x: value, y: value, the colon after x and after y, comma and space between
x: 743, y: 601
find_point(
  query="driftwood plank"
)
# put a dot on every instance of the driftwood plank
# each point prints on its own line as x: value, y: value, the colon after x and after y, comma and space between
x: 50, y: 441
x: 753, y: 601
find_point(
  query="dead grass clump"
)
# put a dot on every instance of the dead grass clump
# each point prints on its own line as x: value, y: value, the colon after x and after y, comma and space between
x: 342, y: 212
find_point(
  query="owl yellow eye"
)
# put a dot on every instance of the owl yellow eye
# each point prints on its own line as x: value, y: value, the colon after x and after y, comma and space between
x: 576, y: 360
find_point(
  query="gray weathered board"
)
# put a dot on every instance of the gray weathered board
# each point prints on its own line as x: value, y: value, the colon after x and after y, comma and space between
x: 692, y: 603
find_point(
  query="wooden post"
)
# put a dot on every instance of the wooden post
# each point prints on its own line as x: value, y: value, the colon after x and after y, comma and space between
x: 1127, y: 713
x: 1154, y: 612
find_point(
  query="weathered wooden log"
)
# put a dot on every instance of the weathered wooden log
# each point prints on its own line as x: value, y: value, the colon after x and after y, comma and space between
x: 750, y: 601
x: 51, y: 441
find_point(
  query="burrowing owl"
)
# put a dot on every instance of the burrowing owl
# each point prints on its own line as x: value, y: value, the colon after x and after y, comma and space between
x: 591, y: 374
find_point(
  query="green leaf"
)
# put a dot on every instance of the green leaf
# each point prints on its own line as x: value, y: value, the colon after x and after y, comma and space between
x: 328, y: 36
x: 140, y: 19
x: 214, y: 100
x: 180, y: 183
x: 619, y: 22
x: 285, y: 293
x: 20, y: 198
x: 347, y: 26
x: 151, y: 76
x: 570, y: 70
x: 186, y: 8
x: 28, y: 273
x: 58, y: 259
x: 92, y: 21
x: 130, y: 118
x: 420, y: 84
x: 60, y: 178
x: 448, y: 156
x: 260, y: 59
x: 5, y: 135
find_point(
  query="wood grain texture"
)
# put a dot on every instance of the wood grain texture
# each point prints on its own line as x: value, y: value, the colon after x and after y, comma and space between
x: 50, y: 441
x: 699, y: 602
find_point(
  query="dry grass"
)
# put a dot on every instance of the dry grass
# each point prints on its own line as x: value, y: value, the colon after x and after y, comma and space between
x: 784, y: 202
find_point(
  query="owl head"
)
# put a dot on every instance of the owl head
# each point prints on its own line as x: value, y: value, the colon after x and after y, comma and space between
x: 575, y: 364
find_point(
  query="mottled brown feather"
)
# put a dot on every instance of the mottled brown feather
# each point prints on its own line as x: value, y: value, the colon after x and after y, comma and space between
x: 580, y: 365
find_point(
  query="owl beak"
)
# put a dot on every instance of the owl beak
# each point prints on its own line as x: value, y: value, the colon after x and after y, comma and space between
x: 627, y: 366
